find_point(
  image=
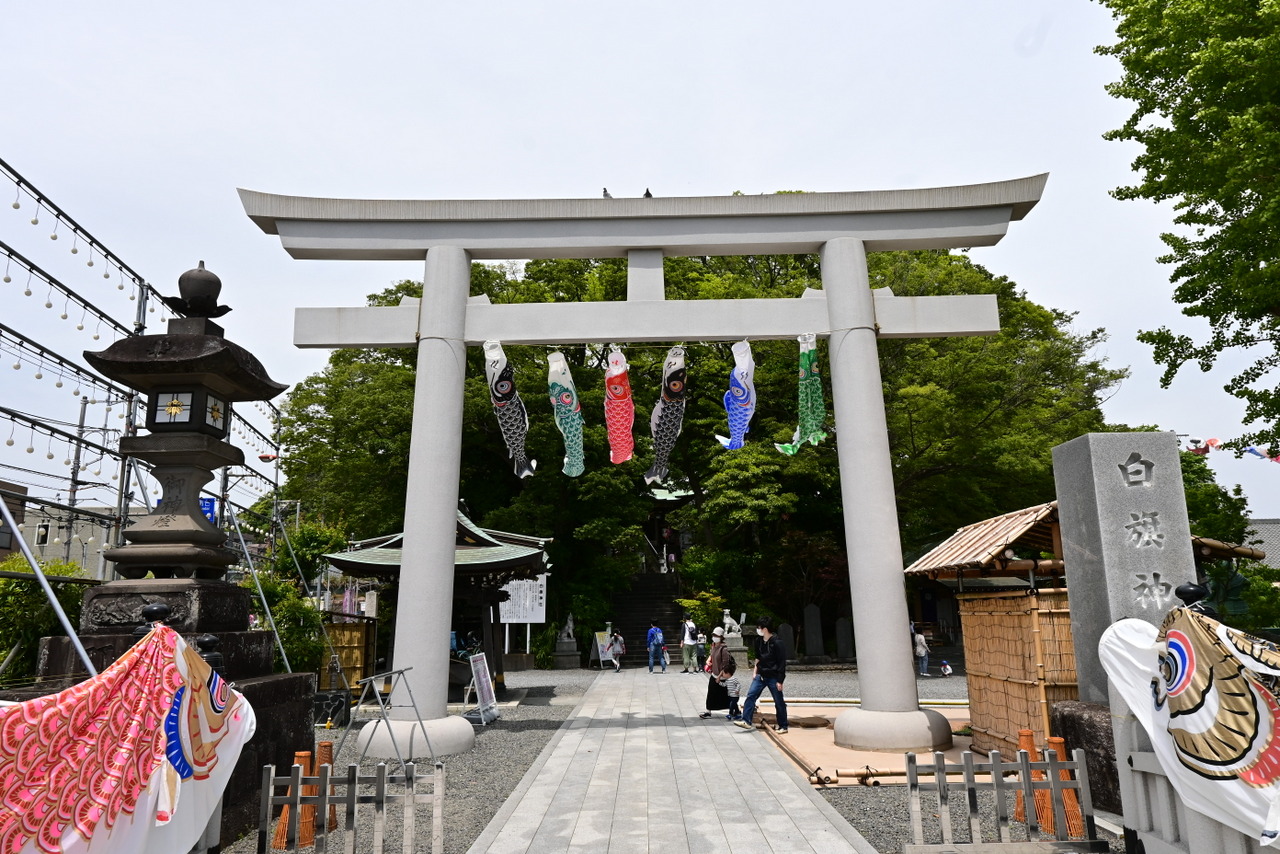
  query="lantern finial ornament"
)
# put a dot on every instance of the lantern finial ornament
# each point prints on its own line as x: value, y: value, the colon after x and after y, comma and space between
x: 198, y: 291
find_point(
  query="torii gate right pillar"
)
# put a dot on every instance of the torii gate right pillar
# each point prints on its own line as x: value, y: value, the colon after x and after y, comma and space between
x: 890, y: 717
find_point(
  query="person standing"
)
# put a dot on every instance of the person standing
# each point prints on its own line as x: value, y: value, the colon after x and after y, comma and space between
x: 770, y: 671
x: 656, y: 641
x: 688, y: 645
x: 616, y: 648
x: 733, y: 686
x: 922, y: 653
x: 717, y: 696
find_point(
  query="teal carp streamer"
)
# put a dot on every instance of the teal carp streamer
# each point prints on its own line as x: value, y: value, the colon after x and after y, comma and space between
x: 564, y: 400
x: 813, y: 406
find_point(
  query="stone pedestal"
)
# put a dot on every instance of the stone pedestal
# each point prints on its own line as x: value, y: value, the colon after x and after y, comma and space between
x: 844, y: 640
x: 737, y: 646
x: 175, y: 540
x: 567, y: 655
x: 516, y: 661
x: 195, y: 605
x: 814, y: 647
x: 244, y: 654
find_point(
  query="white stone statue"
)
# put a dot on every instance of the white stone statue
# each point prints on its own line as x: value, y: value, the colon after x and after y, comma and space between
x: 732, y: 626
x: 567, y: 632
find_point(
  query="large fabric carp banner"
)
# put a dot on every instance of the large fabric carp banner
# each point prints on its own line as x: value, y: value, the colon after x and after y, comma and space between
x: 132, y: 761
x: 1206, y: 695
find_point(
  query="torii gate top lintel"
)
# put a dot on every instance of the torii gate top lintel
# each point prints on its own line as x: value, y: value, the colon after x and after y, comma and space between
x: 493, y: 229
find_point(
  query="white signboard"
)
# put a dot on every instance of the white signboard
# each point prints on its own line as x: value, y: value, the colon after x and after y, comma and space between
x: 528, y: 602
x: 486, y: 702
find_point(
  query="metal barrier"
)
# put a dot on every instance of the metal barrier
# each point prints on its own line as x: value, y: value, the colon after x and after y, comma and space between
x: 312, y: 804
x: 1058, y: 779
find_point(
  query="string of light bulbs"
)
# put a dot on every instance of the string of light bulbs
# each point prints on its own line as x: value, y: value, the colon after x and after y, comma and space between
x: 24, y: 349
x: 38, y: 426
x: 79, y: 235
x: 263, y: 440
x: 33, y: 271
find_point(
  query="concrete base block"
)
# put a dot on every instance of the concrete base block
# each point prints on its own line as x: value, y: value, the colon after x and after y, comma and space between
x: 449, y: 735
x: 1087, y: 726
x: 918, y: 730
x: 567, y: 661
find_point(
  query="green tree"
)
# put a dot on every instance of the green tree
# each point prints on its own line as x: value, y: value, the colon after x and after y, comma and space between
x: 1202, y: 75
x: 301, y: 549
x: 1242, y: 591
x: 972, y: 421
x: 25, y: 614
x: 1213, y: 510
x: 299, y: 624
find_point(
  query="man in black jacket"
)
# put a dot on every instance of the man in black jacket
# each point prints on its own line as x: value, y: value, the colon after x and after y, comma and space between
x: 771, y: 669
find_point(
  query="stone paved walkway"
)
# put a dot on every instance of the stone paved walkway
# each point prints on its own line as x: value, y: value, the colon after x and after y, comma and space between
x: 634, y: 770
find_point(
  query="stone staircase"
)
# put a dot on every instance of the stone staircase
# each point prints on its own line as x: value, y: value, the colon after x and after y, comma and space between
x: 651, y: 597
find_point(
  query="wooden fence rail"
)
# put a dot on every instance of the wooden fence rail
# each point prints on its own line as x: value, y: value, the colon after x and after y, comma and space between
x: 355, y: 795
x: 1051, y: 775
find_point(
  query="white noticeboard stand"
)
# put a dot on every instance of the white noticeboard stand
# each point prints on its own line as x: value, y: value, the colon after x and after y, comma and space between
x: 602, y: 648
x: 486, y: 710
x: 526, y: 603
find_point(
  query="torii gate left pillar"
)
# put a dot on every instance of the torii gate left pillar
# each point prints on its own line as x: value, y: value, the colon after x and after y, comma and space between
x: 842, y: 227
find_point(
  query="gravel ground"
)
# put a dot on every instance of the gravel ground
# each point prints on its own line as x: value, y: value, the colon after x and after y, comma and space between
x: 480, y: 780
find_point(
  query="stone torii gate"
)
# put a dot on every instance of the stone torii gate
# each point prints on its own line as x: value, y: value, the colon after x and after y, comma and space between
x: 841, y: 227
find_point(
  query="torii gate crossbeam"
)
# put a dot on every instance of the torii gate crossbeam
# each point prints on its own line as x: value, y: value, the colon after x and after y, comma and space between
x: 841, y: 227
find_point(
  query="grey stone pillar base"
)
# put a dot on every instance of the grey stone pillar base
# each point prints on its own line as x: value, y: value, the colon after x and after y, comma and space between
x: 917, y: 730
x: 449, y: 735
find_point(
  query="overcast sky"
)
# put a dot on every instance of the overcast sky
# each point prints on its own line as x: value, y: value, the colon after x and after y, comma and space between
x: 142, y: 119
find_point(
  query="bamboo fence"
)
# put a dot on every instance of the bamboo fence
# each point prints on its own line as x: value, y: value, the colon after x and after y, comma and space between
x: 1019, y: 660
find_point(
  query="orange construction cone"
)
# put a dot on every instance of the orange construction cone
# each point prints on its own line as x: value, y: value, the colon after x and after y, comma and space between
x: 324, y: 756
x: 306, y: 815
x: 1044, y: 806
x: 1070, y: 797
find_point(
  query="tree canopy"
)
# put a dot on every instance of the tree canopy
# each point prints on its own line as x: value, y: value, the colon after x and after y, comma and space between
x: 971, y: 420
x: 1204, y: 78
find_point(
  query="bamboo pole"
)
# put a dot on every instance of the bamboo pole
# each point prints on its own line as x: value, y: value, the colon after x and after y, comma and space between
x: 1040, y: 674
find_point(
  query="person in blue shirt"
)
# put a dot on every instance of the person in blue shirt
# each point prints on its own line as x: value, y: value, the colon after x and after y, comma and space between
x: 656, y: 641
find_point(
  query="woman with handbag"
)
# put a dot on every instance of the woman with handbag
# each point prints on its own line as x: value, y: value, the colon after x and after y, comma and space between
x: 717, y: 694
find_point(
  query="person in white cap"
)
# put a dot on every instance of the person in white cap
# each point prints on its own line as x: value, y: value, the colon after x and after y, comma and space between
x: 717, y: 694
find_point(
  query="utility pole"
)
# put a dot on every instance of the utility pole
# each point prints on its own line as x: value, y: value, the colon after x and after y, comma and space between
x: 75, y: 479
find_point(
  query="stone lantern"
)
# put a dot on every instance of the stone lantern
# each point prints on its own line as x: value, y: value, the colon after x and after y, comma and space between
x: 191, y: 376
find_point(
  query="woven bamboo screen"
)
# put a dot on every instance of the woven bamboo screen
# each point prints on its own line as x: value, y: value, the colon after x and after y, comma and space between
x: 352, y: 642
x: 1019, y: 660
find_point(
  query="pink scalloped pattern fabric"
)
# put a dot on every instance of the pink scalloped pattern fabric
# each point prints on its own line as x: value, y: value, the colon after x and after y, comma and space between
x: 84, y: 756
